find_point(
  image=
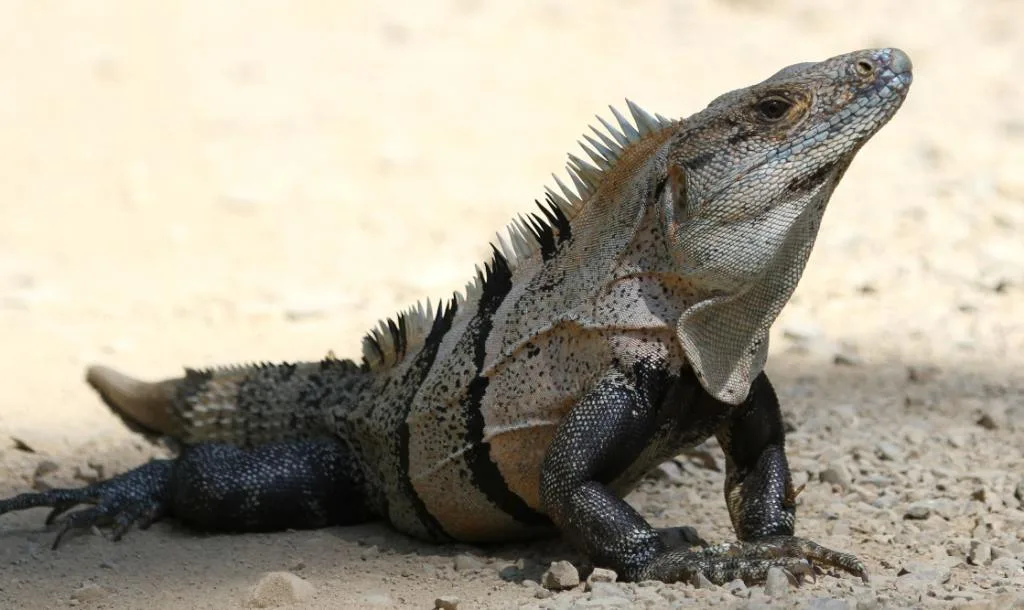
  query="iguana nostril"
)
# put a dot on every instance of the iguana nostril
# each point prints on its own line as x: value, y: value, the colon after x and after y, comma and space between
x: 865, y: 68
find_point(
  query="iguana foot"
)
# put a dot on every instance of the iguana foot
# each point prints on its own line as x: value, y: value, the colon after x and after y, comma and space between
x: 750, y: 561
x: 135, y: 497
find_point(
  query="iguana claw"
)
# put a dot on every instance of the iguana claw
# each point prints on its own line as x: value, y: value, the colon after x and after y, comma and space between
x: 133, y: 498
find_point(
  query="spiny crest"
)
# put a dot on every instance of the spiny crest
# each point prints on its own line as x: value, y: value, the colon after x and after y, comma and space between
x: 387, y: 344
x: 526, y: 236
x: 604, y: 151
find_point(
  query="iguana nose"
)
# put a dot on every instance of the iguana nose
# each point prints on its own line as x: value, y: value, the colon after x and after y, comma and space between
x: 899, y: 62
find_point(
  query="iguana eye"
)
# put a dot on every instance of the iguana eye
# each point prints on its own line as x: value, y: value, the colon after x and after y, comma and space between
x: 773, y: 108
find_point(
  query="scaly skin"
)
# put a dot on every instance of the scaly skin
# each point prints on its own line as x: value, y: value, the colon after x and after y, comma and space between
x: 626, y: 322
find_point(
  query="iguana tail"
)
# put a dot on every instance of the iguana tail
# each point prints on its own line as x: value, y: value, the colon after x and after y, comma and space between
x: 242, y: 405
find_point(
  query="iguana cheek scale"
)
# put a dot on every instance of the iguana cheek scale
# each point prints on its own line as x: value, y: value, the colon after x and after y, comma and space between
x: 624, y: 321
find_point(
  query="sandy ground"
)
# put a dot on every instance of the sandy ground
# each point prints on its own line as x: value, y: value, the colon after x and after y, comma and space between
x: 199, y: 183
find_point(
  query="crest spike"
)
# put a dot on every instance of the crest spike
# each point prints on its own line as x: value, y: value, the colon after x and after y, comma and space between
x: 588, y: 172
x: 582, y: 186
x: 595, y: 156
x: 644, y: 121
x: 612, y: 145
x: 570, y: 196
x: 603, y: 150
x: 615, y: 133
x: 627, y: 128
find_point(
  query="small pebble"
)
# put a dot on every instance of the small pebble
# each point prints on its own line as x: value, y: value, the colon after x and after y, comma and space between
x: 446, y: 602
x: 44, y: 468
x: 561, y: 575
x: 737, y: 587
x: 465, y: 563
x: 980, y: 553
x: 836, y: 474
x: 601, y: 575
x: 917, y: 510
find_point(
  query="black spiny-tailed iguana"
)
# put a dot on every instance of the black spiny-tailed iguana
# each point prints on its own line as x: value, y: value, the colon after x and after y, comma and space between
x: 625, y: 322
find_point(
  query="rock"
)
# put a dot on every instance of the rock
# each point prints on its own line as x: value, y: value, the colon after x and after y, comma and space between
x: 44, y: 468
x: 919, y: 577
x: 446, y: 602
x: 888, y: 451
x: 465, y: 563
x: 600, y: 575
x: 980, y: 553
x: 836, y: 474
x: 737, y: 587
x: 561, y: 575
x: 89, y: 592
x: 538, y: 591
x: 988, y: 422
x: 917, y: 510
x: 886, y: 500
x: 280, y: 589
x: 1019, y: 493
x: 776, y: 584
x: 510, y: 573
x: 1007, y: 565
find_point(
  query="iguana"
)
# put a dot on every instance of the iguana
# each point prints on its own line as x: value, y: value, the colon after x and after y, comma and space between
x: 623, y: 323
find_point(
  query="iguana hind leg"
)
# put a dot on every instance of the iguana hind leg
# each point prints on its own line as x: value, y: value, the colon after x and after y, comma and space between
x: 219, y: 487
x: 609, y: 428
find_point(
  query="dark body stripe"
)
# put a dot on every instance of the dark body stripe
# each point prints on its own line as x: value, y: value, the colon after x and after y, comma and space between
x: 484, y: 473
x: 412, y: 380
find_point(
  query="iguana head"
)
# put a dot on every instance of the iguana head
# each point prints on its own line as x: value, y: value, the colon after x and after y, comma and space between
x: 748, y: 179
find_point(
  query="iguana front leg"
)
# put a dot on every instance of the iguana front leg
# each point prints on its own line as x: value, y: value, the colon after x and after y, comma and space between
x: 609, y: 427
x: 761, y: 500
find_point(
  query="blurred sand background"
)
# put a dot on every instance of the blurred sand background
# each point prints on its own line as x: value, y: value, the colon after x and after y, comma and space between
x: 205, y: 183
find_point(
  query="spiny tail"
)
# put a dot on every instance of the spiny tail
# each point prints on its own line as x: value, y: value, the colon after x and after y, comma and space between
x: 242, y: 405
